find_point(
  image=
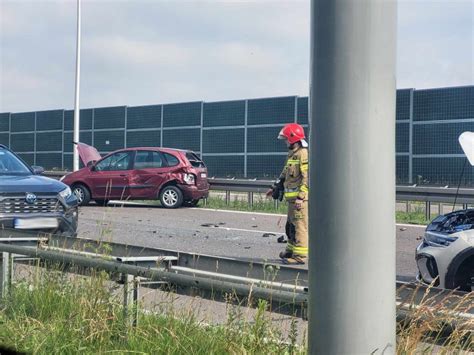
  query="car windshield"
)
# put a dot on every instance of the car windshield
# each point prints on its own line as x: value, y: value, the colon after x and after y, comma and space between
x: 11, y: 165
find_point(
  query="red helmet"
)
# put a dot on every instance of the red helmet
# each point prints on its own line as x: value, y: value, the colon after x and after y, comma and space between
x: 292, y: 132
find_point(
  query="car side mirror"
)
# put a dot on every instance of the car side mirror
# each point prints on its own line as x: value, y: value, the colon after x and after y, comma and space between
x: 37, y: 170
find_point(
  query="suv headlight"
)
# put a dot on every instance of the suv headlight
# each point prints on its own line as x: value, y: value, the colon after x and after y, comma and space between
x: 189, y: 179
x: 65, y: 193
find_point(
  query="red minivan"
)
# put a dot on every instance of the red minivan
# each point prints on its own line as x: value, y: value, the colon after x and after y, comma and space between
x: 175, y: 177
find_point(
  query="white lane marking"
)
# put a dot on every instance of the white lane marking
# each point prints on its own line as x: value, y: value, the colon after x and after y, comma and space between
x: 284, y: 215
x: 411, y: 225
x: 271, y: 214
x: 238, y: 212
x: 246, y: 230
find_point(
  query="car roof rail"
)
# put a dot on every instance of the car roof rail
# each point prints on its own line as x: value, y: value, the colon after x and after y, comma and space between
x: 3, y: 146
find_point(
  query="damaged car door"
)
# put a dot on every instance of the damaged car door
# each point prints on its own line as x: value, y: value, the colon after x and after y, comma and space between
x: 109, y: 178
x: 149, y: 174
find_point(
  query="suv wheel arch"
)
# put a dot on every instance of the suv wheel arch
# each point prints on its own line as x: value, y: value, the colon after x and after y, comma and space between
x: 458, y: 266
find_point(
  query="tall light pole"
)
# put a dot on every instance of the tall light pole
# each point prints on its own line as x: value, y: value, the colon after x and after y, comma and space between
x: 76, y: 98
x: 352, y: 197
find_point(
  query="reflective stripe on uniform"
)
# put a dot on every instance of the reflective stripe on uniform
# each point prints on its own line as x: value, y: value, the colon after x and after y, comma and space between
x: 291, y: 194
x: 292, y: 161
x: 303, y: 251
x: 304, y: 188
x: 304, y: 167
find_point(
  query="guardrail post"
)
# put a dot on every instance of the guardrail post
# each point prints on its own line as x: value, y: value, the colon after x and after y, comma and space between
x: 352, y: 215
x: 250, y: 199
x: 130, y: 299
x: 227, y: 198
x: 464, y: 206
x: 6, y: 274
x: 428, y: 210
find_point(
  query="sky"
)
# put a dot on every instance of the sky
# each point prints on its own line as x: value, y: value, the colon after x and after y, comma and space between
x: 151, y: 52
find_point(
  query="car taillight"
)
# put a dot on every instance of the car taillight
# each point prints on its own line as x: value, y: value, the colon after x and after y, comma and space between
x: 189, y: 179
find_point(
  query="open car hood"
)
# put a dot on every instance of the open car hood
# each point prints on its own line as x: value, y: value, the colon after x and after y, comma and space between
x: 466, y: 140
x: 87, y: 153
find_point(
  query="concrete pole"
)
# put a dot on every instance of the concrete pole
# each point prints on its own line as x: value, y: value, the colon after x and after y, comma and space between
x: 76, y: 97
x: 352, y: 199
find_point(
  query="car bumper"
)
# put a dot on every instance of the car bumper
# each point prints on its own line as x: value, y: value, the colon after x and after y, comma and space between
x: 63, y: 224
x: 427, y: 267
x: 436, y: 264
x: 193, y: 192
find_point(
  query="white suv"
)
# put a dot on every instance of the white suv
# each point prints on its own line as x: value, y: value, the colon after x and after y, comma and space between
x: 446, y: 255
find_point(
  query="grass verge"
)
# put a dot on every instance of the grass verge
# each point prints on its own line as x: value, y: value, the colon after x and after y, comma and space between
x: 50, y: 312
x: 55, y: 314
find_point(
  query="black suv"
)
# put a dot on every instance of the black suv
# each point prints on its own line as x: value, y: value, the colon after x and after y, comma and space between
x: 29, y: 201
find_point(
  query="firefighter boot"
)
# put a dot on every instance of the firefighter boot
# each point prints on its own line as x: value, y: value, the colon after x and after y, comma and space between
x: 294, y: 260
x: 286, y: 254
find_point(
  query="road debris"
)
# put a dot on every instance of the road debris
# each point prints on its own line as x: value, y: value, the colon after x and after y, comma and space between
x: 267, y: 235
x: 281, y: 239
x: 210, y: 225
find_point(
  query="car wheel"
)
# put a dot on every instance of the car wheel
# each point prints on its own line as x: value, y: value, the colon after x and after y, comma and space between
x: 171, y: 197
x: 192, y: 203
x: 82, y: 194
x: 465, y: 276
x: 102, y: 202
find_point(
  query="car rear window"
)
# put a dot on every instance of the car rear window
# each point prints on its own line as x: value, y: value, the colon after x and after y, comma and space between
x: 194, y: 160
x: 171, y: 159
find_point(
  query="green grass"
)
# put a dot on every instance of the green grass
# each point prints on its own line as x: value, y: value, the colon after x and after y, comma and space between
x: 411, y: 217
x: 50, y: 312
x: 264, y: 205
x: 54, y: 314
x: 259, y: 205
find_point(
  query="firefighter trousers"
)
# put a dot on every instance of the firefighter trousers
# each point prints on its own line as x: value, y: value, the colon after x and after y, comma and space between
x: 297, y: 229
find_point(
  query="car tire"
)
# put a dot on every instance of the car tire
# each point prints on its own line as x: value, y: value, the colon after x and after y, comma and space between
x: 171, y: 197
x: 465, y: 276
x: 191, y: 203
x: 102, y: 202
x: 82, y: 194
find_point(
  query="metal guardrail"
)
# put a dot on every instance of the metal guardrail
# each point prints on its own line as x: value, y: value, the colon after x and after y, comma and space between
x: 427, y: 194
x: 285, y: 287
x: 403, y: 193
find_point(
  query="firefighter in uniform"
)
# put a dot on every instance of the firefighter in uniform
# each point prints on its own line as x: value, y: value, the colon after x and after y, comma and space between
x: 294, y: 182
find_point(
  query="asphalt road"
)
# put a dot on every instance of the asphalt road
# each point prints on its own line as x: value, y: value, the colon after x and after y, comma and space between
x: 221, y: 233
